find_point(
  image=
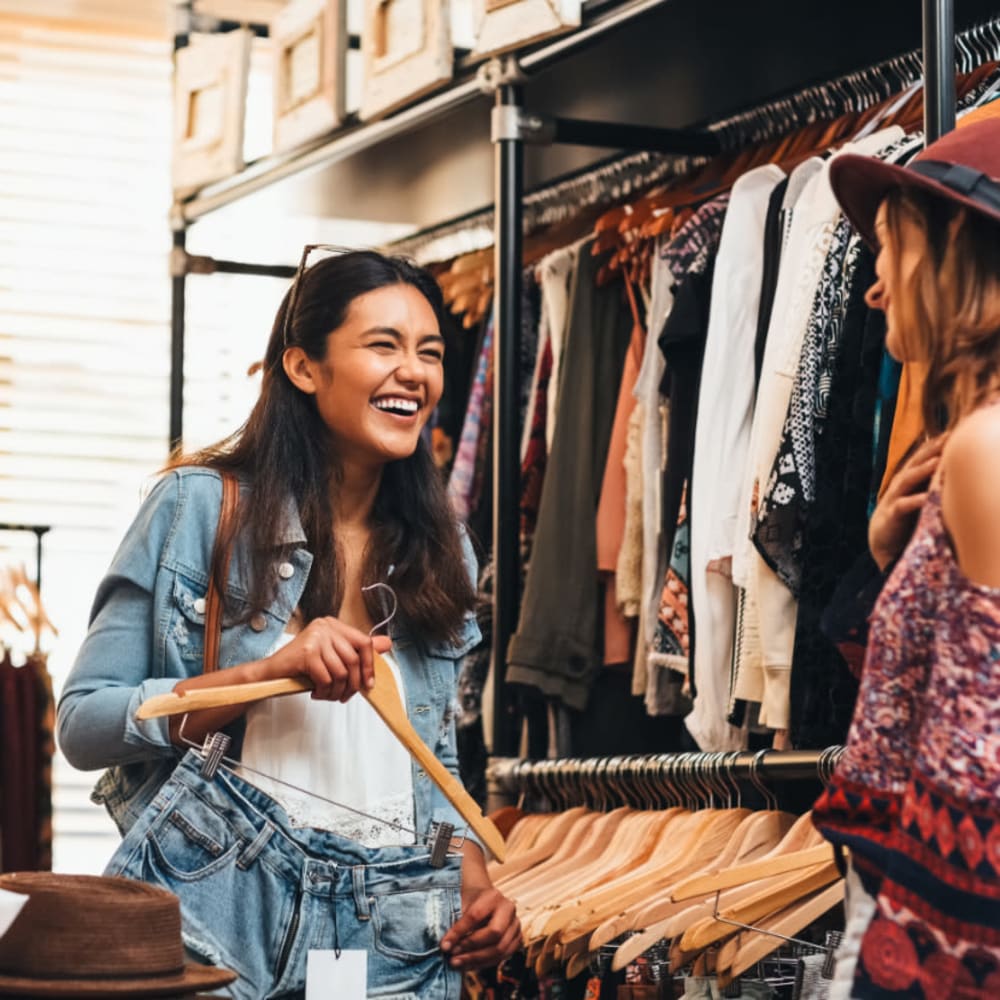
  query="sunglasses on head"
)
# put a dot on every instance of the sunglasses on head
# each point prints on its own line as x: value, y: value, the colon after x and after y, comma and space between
x: 293, y: 295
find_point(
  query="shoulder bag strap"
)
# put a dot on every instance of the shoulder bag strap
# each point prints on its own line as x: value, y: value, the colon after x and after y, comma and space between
x: 219, y: 570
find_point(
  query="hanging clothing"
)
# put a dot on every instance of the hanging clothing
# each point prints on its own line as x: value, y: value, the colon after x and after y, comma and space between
x: 612, y: 504
x: 724, y: 408
x: 27, y: 724
x: 535, y: 454
x: 555, y: 648
x: 835, y: 527
x: 773, y: 238
x: 915, y: 795
x: 813, y: 227
x: 628, y: 569
x: 682, y: 287
x: 791, y: 485
x: 555, y: 275
x: 748, y: 674
x: 463, y: 470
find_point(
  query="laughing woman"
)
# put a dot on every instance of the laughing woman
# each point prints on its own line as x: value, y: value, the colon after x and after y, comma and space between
x: 337, y: 493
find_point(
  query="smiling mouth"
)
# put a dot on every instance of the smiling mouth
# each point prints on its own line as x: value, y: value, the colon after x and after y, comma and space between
x: 397, y: 406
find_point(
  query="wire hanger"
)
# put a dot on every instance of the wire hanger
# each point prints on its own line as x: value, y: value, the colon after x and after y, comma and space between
x: 384, y: 697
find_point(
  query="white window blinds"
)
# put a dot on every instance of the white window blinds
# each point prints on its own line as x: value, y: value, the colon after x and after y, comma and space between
x: 84, y: 326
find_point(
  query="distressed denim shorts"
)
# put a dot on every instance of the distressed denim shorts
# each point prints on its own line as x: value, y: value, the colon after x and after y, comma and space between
x: 256, y: 895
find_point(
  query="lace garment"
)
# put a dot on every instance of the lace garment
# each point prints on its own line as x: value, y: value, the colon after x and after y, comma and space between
x: 344, y: 754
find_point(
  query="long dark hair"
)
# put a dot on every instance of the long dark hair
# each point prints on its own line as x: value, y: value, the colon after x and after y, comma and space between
x: 284, y: 450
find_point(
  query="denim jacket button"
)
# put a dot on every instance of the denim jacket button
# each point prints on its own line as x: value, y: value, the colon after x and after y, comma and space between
x: 199, y: 605
x: 258, y: 623
x: 286, y: 571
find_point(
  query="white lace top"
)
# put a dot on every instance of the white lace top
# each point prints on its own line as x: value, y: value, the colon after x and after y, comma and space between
x: 344, y: 753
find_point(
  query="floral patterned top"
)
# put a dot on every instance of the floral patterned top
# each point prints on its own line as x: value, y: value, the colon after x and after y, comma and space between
x: 916, y: 796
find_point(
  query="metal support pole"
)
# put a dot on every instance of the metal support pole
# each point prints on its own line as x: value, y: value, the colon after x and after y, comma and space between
x: 615, y: 135
x: 939, y: 68
x: 509, y: 174
x: 177, y: 287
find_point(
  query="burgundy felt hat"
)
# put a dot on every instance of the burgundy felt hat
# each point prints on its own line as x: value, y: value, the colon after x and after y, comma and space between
x: 91, y: 936
x: 962, y: 166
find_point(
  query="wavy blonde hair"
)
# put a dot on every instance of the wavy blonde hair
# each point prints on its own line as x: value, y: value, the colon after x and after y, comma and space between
x: 950, y: 307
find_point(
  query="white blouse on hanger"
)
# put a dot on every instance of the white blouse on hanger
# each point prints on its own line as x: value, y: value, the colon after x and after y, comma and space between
x: 342, y: 752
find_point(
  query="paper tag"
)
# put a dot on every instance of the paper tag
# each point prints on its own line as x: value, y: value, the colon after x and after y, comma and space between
x: 10, y: 907
x: 332, y: 978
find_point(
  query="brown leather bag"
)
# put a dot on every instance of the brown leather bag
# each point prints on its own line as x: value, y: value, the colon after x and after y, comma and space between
x: 219, y: 570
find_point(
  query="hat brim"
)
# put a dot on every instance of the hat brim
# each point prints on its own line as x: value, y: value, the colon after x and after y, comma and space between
x: 194, y: 977
x: 861, y: 183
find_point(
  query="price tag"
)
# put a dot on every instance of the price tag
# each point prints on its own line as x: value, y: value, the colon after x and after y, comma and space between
x: 10, y: 907
x: 332, y: 978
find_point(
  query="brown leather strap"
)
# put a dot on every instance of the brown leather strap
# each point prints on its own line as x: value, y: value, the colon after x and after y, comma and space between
x: 219, y: 570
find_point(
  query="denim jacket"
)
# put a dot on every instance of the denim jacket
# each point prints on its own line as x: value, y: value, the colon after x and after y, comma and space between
x: 147, y: 630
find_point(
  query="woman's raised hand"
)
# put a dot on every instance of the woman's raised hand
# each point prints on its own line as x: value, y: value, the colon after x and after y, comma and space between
x: 894, y: 518
x: 338, y: 658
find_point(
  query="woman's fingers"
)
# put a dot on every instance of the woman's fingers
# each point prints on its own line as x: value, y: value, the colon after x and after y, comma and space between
x: 349, y: 679
x: 488, y: 947
x: 914, y: 475
x: 339, y: 659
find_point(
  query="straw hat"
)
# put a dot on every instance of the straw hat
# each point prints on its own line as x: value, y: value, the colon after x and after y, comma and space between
x: 962, y: 166
x: 87, y: 936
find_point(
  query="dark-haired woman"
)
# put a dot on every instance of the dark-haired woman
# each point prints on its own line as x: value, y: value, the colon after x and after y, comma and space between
x: 322, y: 844
x: 916, y: 796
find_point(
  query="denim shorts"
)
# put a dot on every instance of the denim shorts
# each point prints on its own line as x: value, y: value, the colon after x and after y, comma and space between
x: 257, y: 895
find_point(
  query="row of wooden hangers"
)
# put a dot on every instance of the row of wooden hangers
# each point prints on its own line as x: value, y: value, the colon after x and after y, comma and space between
x: 21, y: 609
x: 626, y: 232
x: 725, y: 886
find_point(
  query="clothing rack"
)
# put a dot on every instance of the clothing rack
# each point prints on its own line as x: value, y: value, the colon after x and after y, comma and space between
x: 939, y: 46
x: 614, y: 178
x: 38, y: 530
x: 513, y: 126
x: 639, y: 779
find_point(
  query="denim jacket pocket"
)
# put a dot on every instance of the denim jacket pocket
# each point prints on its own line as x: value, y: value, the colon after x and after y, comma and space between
x: 469, y: 636
x: 186, y: 613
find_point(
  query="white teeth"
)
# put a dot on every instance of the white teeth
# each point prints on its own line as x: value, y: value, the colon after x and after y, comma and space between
x: 395, y: 404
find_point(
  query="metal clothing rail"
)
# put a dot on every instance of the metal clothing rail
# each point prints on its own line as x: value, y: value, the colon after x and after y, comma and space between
x: 39, y: 530
x: 640, y: 778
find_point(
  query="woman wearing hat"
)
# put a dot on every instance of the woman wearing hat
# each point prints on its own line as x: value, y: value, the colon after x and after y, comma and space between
x: 916, y: 797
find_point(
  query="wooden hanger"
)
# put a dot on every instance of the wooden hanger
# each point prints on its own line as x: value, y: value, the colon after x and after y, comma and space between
x: 769, y: 900
x: 741, y: 874
x: 383, y: 697
x: 624, y: 866
x: 757, y: 834
x: 21, y: 604
x: 551, y: 835
x: 746, y: 949
x: 549, y: 884
x: 678, y: 917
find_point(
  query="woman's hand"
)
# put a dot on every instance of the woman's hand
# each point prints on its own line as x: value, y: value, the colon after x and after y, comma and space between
x: 488, y: 930
x: 337, y: 658
x: 895, y: 516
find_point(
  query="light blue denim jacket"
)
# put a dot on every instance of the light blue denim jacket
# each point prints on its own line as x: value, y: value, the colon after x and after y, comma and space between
x: 147, y: 630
